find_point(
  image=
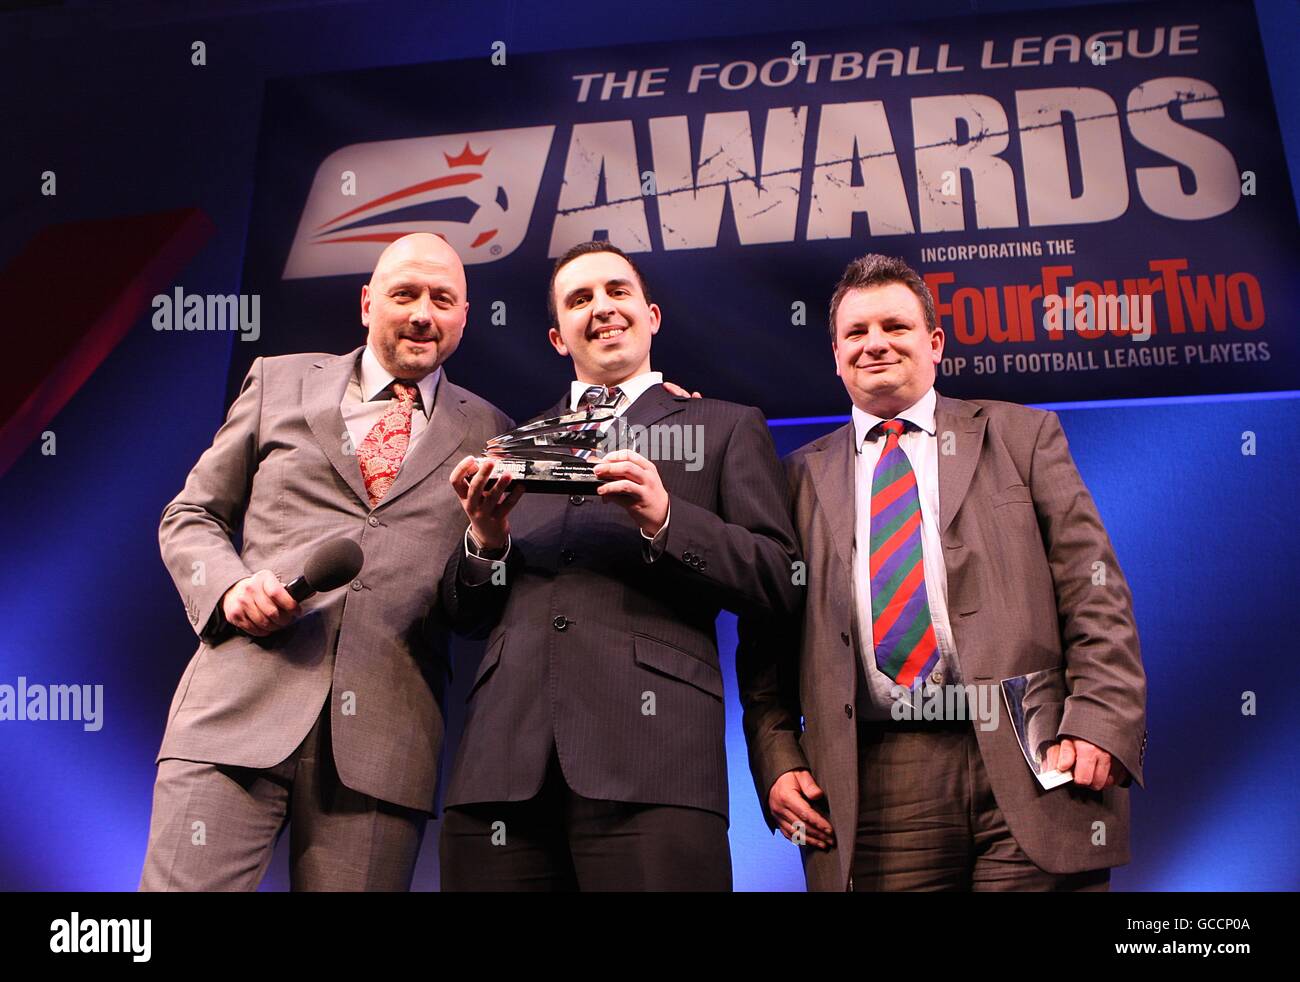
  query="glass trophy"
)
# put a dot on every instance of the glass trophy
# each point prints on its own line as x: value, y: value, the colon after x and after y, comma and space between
x: 553, y: 456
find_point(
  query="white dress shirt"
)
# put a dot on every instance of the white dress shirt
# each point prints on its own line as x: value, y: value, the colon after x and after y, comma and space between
x: 633, y: 388
x: 365, y: 401
x: 921, y: 447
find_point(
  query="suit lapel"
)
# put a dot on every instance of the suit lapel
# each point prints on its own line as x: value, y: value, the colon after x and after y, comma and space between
x: 833, y: 480
x: 956, y: 469
x: 446, y: 431
x: 654, y: 404
x: 323, y: 390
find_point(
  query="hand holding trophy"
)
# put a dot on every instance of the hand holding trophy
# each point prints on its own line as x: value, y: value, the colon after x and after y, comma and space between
x: 487, y: 501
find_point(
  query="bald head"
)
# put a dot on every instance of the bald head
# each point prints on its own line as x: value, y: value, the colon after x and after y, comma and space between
x: 419, y: 248
x: 415, y: 305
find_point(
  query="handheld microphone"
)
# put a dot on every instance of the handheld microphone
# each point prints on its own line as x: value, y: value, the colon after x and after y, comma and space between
x: 330, y: 566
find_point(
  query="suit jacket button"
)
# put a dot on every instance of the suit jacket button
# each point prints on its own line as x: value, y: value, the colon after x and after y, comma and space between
x: 576, y: 499
x: 356, y: 584
x: 560, y: 623
x: 936, y: 677
x: 848, y: 710
x: 687, y: 557
x: 703, y: 565
x: 844, y: 636
x: 372, y: 522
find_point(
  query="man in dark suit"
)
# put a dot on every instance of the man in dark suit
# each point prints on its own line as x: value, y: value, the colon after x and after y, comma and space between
x: 325, y: 715
x: 593, y: 754
x: 949, y: 543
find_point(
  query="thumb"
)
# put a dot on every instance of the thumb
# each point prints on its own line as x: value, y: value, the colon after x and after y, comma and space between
x: 1066, y: 761
x: 807, y: 785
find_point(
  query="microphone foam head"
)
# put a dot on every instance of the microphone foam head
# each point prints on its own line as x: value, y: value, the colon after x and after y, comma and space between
x: 333, y: 564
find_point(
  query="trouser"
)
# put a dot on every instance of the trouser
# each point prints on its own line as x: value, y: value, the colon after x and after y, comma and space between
x: 927, y: 819
x: 215, y: 826
x: 559, y: 840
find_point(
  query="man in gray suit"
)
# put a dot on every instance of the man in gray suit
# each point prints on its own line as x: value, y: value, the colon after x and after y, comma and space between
x: 593, y: 755
x: 325, y: 715
x: 949, y: 543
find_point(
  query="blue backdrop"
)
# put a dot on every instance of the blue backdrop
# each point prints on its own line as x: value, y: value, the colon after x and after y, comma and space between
x: 105, y: 95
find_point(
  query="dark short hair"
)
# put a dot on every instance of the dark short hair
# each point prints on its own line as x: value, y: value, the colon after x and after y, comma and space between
x: 873, y: 269
x: 586, y: 249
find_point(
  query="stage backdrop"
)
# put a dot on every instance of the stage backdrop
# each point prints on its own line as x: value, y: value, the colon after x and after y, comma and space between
x: 1124, y: 159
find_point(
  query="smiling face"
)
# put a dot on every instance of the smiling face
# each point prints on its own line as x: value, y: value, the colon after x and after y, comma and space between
x: 883, y: 351
x: 605, y: 324
x: 415, y: 305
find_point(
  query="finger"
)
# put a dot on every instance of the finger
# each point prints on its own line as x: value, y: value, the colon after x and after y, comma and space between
x: 811, y: 792
x: 620, y: 469
x: 643, y: 462
x: 460, y: 473
x: 254, y: 616
x: 248, y: 627
x: 477, y: 482
x: 628, y: 488
x: 498, y: 492
x: 460, y: 477
x: 280, y: 596
x: 809, y: 836
x: 1085, y: 766
x: 1065, y: 761
x: 696, y: 395
x: 516, y: 493
x: 812, y: 821
x: 1049, y: 758
x: 1101, y: 773
x: 262, y: 605
x: 807, y: 785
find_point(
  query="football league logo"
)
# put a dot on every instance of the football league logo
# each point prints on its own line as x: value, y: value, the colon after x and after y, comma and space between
x: 476, y: 190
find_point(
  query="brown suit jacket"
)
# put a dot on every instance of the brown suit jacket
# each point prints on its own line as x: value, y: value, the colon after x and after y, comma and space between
x: 1021, y: 537
x: 281, y: 469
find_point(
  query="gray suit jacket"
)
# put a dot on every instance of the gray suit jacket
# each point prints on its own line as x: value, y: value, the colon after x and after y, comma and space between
x: 1020, y: 538
x: 282, y: 467
x: 587, y: 637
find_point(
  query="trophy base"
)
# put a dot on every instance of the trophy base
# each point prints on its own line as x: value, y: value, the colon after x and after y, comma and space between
x: 543, y: 486
x: 547, y: 476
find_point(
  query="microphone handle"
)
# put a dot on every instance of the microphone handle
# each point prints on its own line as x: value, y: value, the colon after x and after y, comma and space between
x: 299, y: 589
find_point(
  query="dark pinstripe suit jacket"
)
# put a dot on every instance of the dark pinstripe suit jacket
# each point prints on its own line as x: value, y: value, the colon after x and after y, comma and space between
x: 608, y: 658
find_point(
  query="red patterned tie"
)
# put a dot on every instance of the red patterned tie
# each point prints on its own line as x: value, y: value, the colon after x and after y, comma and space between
x: 382, y: 450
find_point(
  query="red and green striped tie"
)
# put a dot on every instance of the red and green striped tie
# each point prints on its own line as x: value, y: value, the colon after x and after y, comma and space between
x: 900, y: 613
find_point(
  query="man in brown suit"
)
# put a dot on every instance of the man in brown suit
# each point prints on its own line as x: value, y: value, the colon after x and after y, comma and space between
x: 949, y: 543
x: 325, y: 715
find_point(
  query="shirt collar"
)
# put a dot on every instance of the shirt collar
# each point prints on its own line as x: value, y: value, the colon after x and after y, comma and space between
x: 375, y: 379
x: 919, y: 413
x: 633, y: 388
